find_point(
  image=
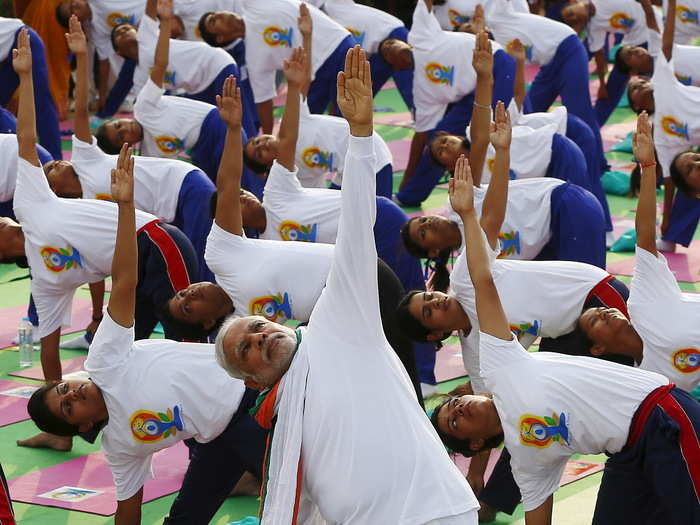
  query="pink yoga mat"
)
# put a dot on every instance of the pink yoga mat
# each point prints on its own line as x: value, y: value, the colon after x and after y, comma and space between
x: 394, y: 119
x: 13, y: 401
x: 67, y: 367
x: 400, y: 150
x: 10, y: 318
x: 85, y: 483
x: 449, y: 364
x: 685, y: 263
x: 442, y: 210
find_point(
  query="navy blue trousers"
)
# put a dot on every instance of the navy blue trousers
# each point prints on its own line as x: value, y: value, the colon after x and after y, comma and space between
x: 323, y: 90
x: 685, y: 214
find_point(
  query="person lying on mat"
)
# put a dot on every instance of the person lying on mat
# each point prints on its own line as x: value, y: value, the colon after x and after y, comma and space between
x: 564, y: 407
x: 149, y: 395
x: 310, y: 371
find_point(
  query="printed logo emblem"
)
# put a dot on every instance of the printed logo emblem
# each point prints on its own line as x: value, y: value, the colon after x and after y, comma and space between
x: 114, y: 19
x: 686, y: 360
x: 686, y: 80
x: 151, y: 427
x: 276, y: 308
x: 510, y: 243
x: 532, y: 328
x: 169, y: 145
x: 439, y: 74
x: 528, y: 50
x: 490, y: 163
x: 170, y: 78
x: 540, y: 432
x: 621, y: 21
x: 315, y: 158
x: 104, y: 197
x: 687, y: 15
x: 673, y: 127
x: 276, y: 36
x: 359, y: 36
x: 293, y: 231
x: 59, y: 259
x: 457, y: 18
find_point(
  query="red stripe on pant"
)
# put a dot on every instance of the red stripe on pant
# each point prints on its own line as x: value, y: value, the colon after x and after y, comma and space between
x: 174, y: 263
x: 607, y: 295
x: 688, y: 440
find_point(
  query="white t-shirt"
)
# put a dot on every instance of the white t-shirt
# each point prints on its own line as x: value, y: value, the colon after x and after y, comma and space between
x: 567, y: 405
x: 360, y: 412
x: 622, y: 17
x: 191, y: 11
x: 106, y: 15
x: 157, y: 392
x: 270, y: 34
x: 170, y: 124
x: 68, y: 242
x: 443, y: 71
x: 369, y: 26
x: 557, y: 116
x: 8, y: 166
x: 157, y: 182
x: 8, y: 28
x: 321, y: 147
x: 192, y: 66
x: 540, y: 35
x: 686, y: 59
x: 676, y: 113
x: 275, y: 279
x: 667, y: 321
x: 295, y: 213
x: 453, y: 13
x: 687, y: 20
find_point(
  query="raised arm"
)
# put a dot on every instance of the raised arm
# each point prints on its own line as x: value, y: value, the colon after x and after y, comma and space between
x: 26, y: 117
x: 306, y: 27
x: 228, y: 180
x: 492, y: 318
x: 517, y: 51
x: 78, y: 46
x: 295, y: 71
x: 669, y: 30
x: 160, y: 62
x: 482, y: 62
x: 493, y: 212
x: 601, y: 67
x: 152, y: 9
x: 645, y: 220
x: 649, y: 15
x: 122, y: 300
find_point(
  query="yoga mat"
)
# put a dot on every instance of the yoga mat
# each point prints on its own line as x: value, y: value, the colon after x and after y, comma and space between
x: 13, y: 401
x: 10, y: 318
x: 448, y: 363
x: 68, y: 366
x: 441, y: 210
x: 394, y: 119
x: 85, y: 484
x: 685, y: 263
x: 11, y: 272
x: 400, y: 150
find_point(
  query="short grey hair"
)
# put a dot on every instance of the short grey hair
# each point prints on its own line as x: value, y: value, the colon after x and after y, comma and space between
x: 219, y: 353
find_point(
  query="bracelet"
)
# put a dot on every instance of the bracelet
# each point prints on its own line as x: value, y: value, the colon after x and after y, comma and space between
x: 647, y: 164
x: 483, y: 106
x: 97, y: 319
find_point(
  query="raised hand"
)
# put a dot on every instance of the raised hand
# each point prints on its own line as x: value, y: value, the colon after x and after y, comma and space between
x: 355, y: 92
x: 165, y: 9
x: 643, y: 143
x: 123, y: 177
x: 461, y: 188
x: 478, y: 21
x: 482, y: 59
x: 516, y: 49
x: 229, y: 103
x: 75, y: 39
x: 22, y: 56
x: 304, y: 21
x: 501, y: 128
x: 295, y: 67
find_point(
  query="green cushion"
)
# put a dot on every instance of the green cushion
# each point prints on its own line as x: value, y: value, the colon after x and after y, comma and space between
x: 625, y: 145
x: 626, y: 242
x: 616, y: 182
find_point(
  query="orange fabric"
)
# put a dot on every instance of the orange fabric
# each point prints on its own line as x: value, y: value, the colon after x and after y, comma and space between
x: 266, y: 410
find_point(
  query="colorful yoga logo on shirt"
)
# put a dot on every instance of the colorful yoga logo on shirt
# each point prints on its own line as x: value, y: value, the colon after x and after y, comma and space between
x: 540, y: 432
x: 278, y: 37
x: 490, y: 163
x: 457, y: 18
x: 528, y: 50
x: 315, y: 158
x: 60, y: 259
x: 510, y: 243
x: 293, y: 231
x: 276, y: 308
x: 687, y: 15
x: 170, y: 78
x: 439, y: 74
x: 151, y: 427
x: 686, y: 80
x: 359, y: 36
x: 104, y: 197
x: 169, y: 145
x: 621, y: 21
x: 532, y: 328
x: 686, y: 360
x: 115, y: 19
x: 673, y: 127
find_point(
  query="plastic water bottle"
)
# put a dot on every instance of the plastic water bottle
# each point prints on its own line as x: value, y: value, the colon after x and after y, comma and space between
x: 26, y: 346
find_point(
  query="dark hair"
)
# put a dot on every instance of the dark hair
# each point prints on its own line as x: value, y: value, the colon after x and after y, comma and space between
x: 184, y: 331
x: 207, y: 36
x: 678, y: 178
x: 620, y: 63
x: 103, y: 142
x: 63, y: 17
x: 408, y: 324
x: 441, y: 274
x: 582, y: 342
x: 461, y: 446
x: 114, y: 32
x: 256, y: 167
x: 46, y: 420
x: 20, y: 261
x: 635, y: 180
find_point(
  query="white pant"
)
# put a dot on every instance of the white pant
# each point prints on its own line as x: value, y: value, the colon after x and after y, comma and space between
x: 468, y: 518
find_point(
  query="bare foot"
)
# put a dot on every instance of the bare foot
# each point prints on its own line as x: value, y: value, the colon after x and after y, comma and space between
x: 248, y: 485
x: 44, y: 440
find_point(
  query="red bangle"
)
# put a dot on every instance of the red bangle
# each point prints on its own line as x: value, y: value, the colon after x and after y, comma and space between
x: 647, y: 164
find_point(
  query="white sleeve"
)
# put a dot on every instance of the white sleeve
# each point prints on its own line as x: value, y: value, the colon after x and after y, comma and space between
x: 223, y: 248
x: 652, y: 279
x: 596, y: 38
x: 87, y: 151
x: 103, y: 46
x: 667, y: 152
x: 129, y: 473
x: 537, y: 481
x: 281, y: 180
x: 52, y: 308
x: 111, y: 347
x: 262, y: 81
x: 425, y: 26
x: 351, y: 288
x: 150, y: 95
x: 31, y: 189
x: 494, y: 353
